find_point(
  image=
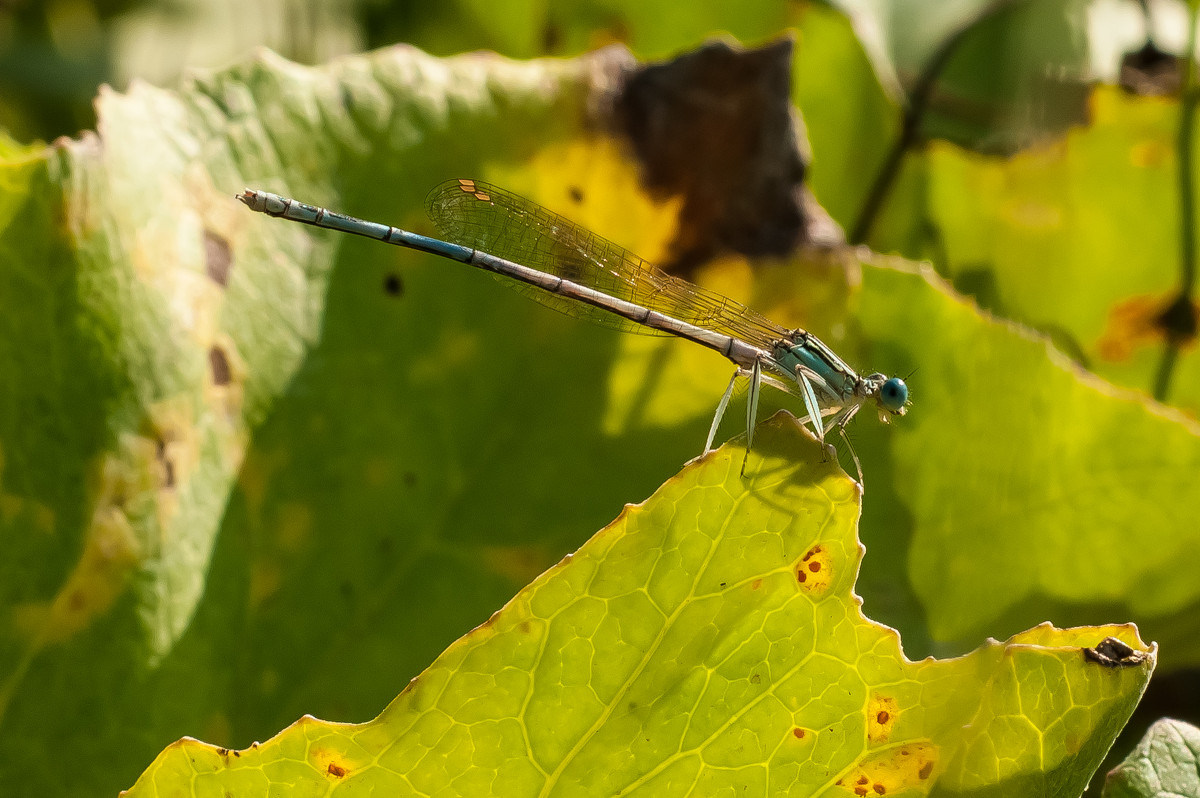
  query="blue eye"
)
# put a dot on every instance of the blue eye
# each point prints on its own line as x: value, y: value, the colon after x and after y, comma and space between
x: 893, y: 394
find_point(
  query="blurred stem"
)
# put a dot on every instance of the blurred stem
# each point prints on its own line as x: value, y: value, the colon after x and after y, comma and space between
x: 1148, y: 21
x: 910, y: 123
x: 1179, y: 319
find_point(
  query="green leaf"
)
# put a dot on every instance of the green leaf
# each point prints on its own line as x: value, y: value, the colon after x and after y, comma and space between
x: 1077, y: 237
x: 1165, y: 763
x: 708, y: 641
x: 252, y: 470
x: 1031, y: 486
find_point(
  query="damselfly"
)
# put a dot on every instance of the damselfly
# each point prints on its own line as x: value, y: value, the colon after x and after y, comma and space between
x: 570, y: 269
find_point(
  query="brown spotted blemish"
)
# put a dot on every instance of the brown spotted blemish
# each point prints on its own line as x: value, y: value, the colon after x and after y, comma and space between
x: 814, y: 572
x: 336, y: 770
x: 218, y: 258
x: 218, y: 364
x: 881, y: 717
x: 393, y: 285
x: 893, y: 771
x: 168, y: 467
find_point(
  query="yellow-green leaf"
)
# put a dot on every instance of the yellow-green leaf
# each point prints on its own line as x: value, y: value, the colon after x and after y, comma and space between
x: 709, y: 642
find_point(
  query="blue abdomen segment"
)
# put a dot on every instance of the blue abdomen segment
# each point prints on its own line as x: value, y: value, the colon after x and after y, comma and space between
x: 431, y: 245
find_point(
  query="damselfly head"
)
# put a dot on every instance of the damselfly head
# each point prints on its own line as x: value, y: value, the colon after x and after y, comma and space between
x: 893, y: 394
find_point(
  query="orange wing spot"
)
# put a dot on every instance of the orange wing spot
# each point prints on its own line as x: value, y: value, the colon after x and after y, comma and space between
x: 336, y: 770
x: 467, y: 186
x: 479, y: 195
x: 881, y: 718
x: 815, y: 570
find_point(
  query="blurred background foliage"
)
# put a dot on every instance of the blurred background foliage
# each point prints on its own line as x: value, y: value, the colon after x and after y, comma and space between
x: 1016, y: 75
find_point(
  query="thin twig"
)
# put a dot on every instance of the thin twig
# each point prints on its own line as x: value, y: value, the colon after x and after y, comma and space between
x: 910, y: 123
x: 1187, y: 217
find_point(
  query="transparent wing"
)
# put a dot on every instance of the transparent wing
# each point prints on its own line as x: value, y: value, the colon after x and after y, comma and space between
x: 492, y: 220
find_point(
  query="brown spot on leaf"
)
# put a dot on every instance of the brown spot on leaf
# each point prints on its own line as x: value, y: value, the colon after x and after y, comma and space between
x: 168, y: 467
x: 715, y: 127
x: 882, y: 711
x: 576, y: 194
x: 815, y: 570
x: 798, y: 733
x: 1151, y: 72
x: 336, y: 770
x: 218, y: 258
x: 393, y: 285
x: 218, y: 363
x: 1112, y: 652
x: 888, y: 771
x: 1148, y: 320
